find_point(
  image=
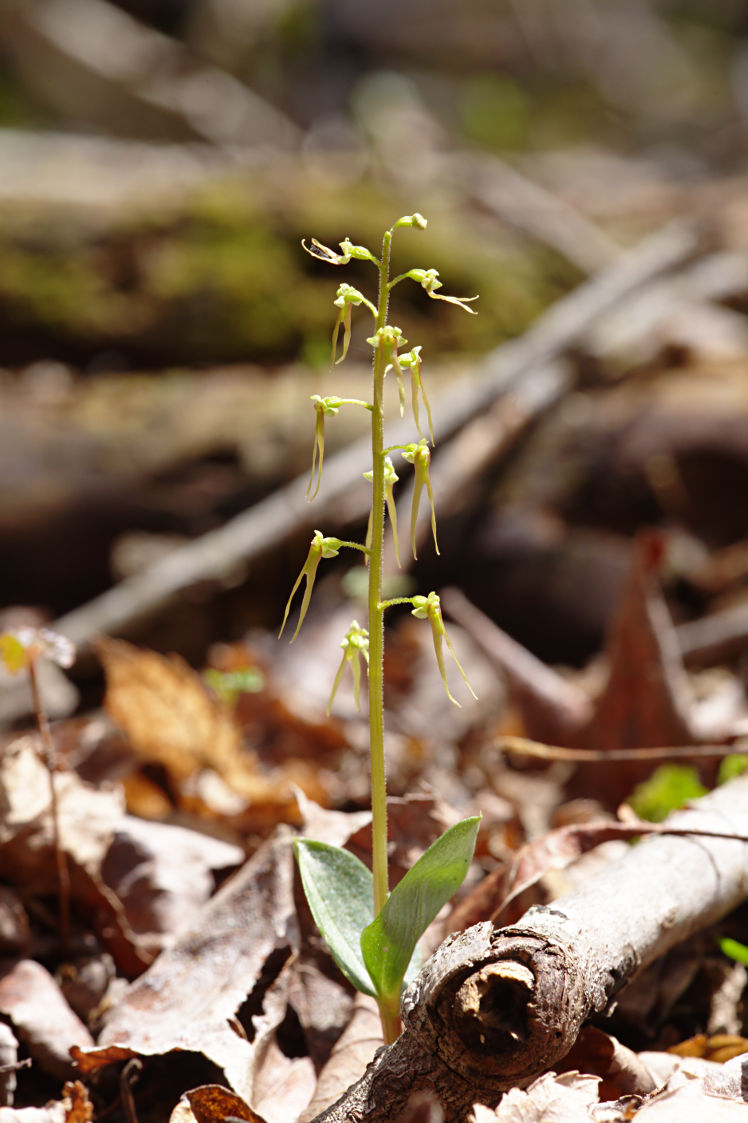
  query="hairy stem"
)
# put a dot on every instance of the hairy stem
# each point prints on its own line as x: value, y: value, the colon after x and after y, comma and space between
x: 376, y: 610
x: 390, y: 1024
x: 48, y: 752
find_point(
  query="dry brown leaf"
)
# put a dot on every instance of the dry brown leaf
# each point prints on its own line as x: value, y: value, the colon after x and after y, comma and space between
x: 568, y: 1098
x: 87, y: 820
x: 350, y: 1056
x: 718, y: 1047
x: 163, y: 874
x: 192, y: 993
x: 169, y: 715
x: 32, y: 1000
x: 646, y: 700
x: 78, y: 1106
x: 211, y: 1103
x: 622, y: 1072
x: 55, y: 1112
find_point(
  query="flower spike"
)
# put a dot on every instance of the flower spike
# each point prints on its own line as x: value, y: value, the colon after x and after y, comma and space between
x: 429, y: 608
x: 419, y: 456
x: 428, y: 279
x: 323, y: 408
x: 319, y: 548
x: 355, y: 646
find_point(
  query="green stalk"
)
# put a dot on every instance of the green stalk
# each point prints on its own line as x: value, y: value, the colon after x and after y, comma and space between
x: 376, y: 609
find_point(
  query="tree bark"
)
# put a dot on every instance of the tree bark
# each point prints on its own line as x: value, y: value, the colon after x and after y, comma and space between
x: 494, y: 1008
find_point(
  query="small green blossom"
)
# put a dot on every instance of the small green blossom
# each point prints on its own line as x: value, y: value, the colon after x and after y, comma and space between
x: 346, y: 298
x: 320, y: 547
x: 323, y: 407
x: 390, y: 479
x: 389, y: 339
x: 330, y: 257
x: 419, y: 456
x: 428, y: 279
x: 429, y: 608
x: 411, y: 361
x: 355, y: 646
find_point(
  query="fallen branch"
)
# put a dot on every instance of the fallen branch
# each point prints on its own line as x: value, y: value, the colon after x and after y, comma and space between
x: 494, y: 1008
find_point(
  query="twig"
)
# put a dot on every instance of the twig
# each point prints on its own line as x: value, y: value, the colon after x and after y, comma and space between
x: 129, y: 1075
x: 493, y: 1009
x: 49, y: 755
x: 524, y: 747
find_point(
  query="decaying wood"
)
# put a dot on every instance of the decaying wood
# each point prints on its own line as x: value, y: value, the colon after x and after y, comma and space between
x: 494, y: 1008
x: 217, y: 555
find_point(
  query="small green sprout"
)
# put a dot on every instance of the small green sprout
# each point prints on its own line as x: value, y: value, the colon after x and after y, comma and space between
x: 371, y: 932
x: 230, y: 685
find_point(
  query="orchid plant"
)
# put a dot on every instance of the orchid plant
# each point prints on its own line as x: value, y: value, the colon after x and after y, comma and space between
x: 372, y: 932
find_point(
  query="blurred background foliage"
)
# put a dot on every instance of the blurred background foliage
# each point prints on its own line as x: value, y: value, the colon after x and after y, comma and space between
x: 163, y: 158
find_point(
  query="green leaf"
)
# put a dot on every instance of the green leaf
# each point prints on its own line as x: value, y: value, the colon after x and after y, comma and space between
x: 668, y: 788
x: 340, y: 892
x: 732, y: 766
x: 389, y: 941
x: 734, y: 949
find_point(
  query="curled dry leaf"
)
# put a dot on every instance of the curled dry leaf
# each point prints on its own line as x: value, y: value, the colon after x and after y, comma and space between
x: 191, y: 994
x: 32, y: 1001
x: 212, y: 1104
x: 350, y: 1056
x: 75, y: 1107
x: 163, y: 874
x: 568, y: 1098
x: 170, y: 717
x: 87, y: 819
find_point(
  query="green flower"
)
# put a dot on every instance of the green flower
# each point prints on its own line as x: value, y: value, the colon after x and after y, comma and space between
x: 390, y: 479
x: 428, y: 279
x: 389, y: 339
x: 323, y: 407
x: 411, y: 361
x: 319, y: 548
x: 419, y: 456
x: 429, y: 608
x: 355, y: 646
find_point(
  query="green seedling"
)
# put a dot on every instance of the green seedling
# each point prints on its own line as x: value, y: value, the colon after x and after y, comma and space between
x: 372, y: 933
x: 20, y: 650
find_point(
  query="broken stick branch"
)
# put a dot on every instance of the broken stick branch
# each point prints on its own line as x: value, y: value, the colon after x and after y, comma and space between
x: 494, y: 1008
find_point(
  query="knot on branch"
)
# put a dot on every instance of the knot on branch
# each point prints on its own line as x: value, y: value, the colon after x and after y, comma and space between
x: 498, y: 1006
